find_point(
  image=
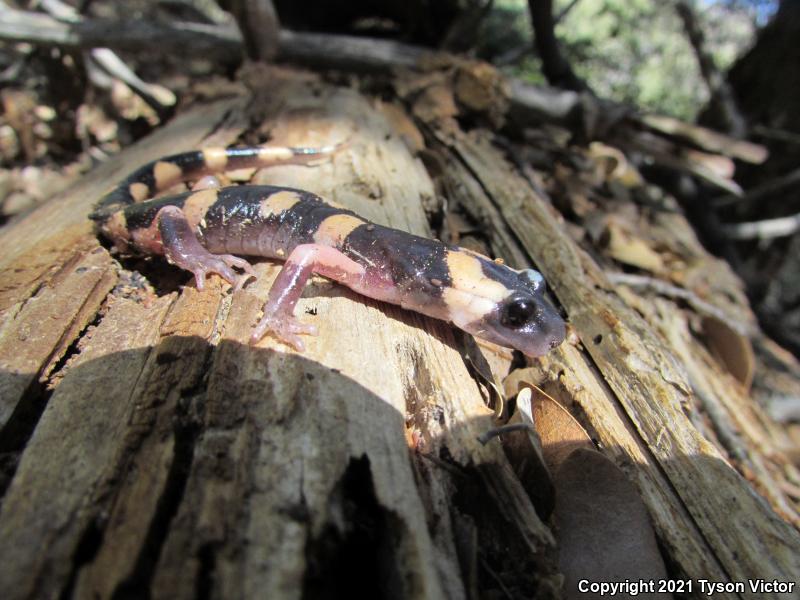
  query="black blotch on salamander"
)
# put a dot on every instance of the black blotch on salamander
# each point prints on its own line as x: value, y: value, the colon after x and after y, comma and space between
x: 190, y: 163
x: 413, y: 261
x: 242, y: 205
x: 500, y: 273
x: 187, y: 161
x: 141, y: 216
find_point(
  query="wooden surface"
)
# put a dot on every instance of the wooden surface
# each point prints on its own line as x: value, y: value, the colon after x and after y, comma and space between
x: 149, y: 451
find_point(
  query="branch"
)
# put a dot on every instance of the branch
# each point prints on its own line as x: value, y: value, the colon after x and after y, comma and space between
x: 721, y: 92
x: 554, y: 65
x: 565, y: 11
x: 350, y: 53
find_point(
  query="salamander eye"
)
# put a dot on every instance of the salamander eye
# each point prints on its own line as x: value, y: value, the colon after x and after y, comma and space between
x: 517, y: 312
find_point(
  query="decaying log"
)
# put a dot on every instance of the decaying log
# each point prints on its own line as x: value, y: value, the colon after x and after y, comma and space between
x: 149, y: 450
x: 648, y: 429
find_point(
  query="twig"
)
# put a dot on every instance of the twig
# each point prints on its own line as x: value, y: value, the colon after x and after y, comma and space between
x: 512, y: 56
x: 763, y: 230
x: 781, y: 135
x: 497, y: 579
x: 773, y: 186
x: 487, y: 435
x: 565, y: 11
x: 462, y: 33
x: 112, y: 64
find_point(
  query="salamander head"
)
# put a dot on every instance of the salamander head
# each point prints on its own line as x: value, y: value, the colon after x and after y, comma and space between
x: 507, y: 307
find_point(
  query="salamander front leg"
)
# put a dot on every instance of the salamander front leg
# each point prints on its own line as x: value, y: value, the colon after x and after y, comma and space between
x: 182, y: 248
x: 288, y: 287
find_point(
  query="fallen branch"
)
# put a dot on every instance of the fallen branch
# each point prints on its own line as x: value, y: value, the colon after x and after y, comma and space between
x: 133, y: 35
x: 708, y: 139
x: 349, y: 52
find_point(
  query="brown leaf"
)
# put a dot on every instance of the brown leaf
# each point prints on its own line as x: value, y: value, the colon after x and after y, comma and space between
x: 626, y: 247
x: 558, y: 430
x: 603, y: 528
x: 730, y: 348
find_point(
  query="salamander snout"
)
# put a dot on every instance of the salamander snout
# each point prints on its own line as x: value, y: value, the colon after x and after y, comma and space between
x: 528, y: 322
x: 524, y: 321
x: 502, y: 305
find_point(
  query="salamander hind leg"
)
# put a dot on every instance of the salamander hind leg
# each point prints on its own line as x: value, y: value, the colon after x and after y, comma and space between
x: 182, y: 248
x: 288, y: 287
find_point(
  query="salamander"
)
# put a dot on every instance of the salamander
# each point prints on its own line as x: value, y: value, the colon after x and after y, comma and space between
x: 206, y: 231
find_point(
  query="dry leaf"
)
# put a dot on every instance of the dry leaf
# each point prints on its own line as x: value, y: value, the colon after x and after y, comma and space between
x: 558, y: 430
x: 476, y: 362
x: 730, y: 348
x: 625, y: 247
x: 614, y: 165
x: 603, y: 528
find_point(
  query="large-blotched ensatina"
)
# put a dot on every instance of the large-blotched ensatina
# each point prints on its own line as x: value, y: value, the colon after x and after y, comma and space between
x: 201, y: 231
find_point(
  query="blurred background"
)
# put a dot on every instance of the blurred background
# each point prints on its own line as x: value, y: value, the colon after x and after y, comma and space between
x: 731, y: 65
